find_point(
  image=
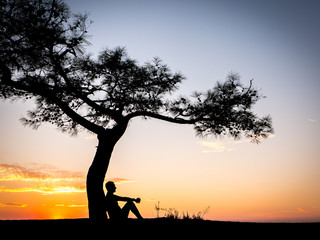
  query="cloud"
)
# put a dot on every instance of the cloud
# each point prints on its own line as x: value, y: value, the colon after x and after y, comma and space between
x: 91, y: 137
x: 9, y: 172
x: 72, y: 205
x: 45, y: 189
x: 21, y: 205
x: 300, y: 210
x: 77, y: 206
x: 120, y: 180
x: 40, y: 178
x: 271, y: 136
x: 44, y: 179
x: 216, y: 147
x: 40, y: 173
x: 227, y: 146
x: 312, y: 120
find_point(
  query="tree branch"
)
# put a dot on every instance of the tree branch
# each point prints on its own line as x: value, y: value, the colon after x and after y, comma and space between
x: 114, y: 114
x: 160, y: 117
x: 51, y: 97
x: 76, y: 117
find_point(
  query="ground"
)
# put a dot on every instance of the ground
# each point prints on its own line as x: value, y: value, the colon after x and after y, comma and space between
x: 156, y: 228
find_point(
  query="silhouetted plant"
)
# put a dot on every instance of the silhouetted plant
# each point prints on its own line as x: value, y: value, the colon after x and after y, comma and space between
x: 42, y: 57
x: 174, y: 214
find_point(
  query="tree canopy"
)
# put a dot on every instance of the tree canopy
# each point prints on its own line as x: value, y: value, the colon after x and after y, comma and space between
x: 42, y: 56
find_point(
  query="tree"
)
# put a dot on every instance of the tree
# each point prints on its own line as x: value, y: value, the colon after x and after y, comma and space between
x: 42, y: 56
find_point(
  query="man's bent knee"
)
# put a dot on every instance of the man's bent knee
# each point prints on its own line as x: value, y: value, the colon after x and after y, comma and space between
x: 130, y: 203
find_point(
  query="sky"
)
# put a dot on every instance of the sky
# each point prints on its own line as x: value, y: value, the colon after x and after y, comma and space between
x: 276, y: 43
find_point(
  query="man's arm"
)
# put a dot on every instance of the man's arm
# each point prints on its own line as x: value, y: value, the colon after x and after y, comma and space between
x: 126, y: 199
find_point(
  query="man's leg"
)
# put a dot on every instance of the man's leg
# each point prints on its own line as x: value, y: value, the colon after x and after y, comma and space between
x: 130, y: 206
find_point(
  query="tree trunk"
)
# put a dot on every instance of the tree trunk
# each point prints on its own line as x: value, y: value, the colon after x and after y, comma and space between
x: 97, y: 172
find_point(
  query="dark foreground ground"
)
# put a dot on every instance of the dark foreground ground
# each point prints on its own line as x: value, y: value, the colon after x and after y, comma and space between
x: 155, y: 228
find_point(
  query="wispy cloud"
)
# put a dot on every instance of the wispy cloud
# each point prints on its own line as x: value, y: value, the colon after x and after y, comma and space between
x: 40, y: 178
x: 301, y: 210
x: 224, y: 146
x: 37, y: 173
x: 45, y: 189
x: 77, y: 206
x: 21, y: 205
x: 9, y: 172
x: 312, y: 120
x: 215, y: 147
x: 91, y: 137
x: 44, y: 179
x: 120, y: 180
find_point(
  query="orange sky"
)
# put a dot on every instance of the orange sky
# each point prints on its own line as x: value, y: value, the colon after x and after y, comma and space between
x: 238, y: 180
x: 43, y: 191
x: 42, y: 173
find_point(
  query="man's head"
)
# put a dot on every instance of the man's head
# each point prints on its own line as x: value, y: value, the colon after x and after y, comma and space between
x: 110, y: 186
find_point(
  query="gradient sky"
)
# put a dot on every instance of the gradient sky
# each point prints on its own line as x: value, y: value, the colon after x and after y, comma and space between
x: 42, y: 173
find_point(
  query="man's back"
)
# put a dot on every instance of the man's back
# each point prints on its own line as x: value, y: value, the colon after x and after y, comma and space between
x: 114, y: 211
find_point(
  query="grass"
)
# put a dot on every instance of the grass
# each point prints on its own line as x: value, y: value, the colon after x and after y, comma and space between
x: 172, y: 213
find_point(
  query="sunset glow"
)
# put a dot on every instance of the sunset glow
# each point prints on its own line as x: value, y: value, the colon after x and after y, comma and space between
x: 275, y: 43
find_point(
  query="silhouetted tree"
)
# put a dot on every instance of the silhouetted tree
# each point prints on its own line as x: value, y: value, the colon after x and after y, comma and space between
x: 42, y: 57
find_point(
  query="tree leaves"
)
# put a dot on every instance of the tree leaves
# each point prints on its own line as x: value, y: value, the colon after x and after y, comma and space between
x: 131, y: 87
x: 226, y: 110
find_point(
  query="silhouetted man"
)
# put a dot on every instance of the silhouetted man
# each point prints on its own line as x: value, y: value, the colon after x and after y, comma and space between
x: 114, y: 211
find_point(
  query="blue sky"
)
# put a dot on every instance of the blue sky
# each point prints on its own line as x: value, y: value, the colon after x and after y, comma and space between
x: 274, y: 42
